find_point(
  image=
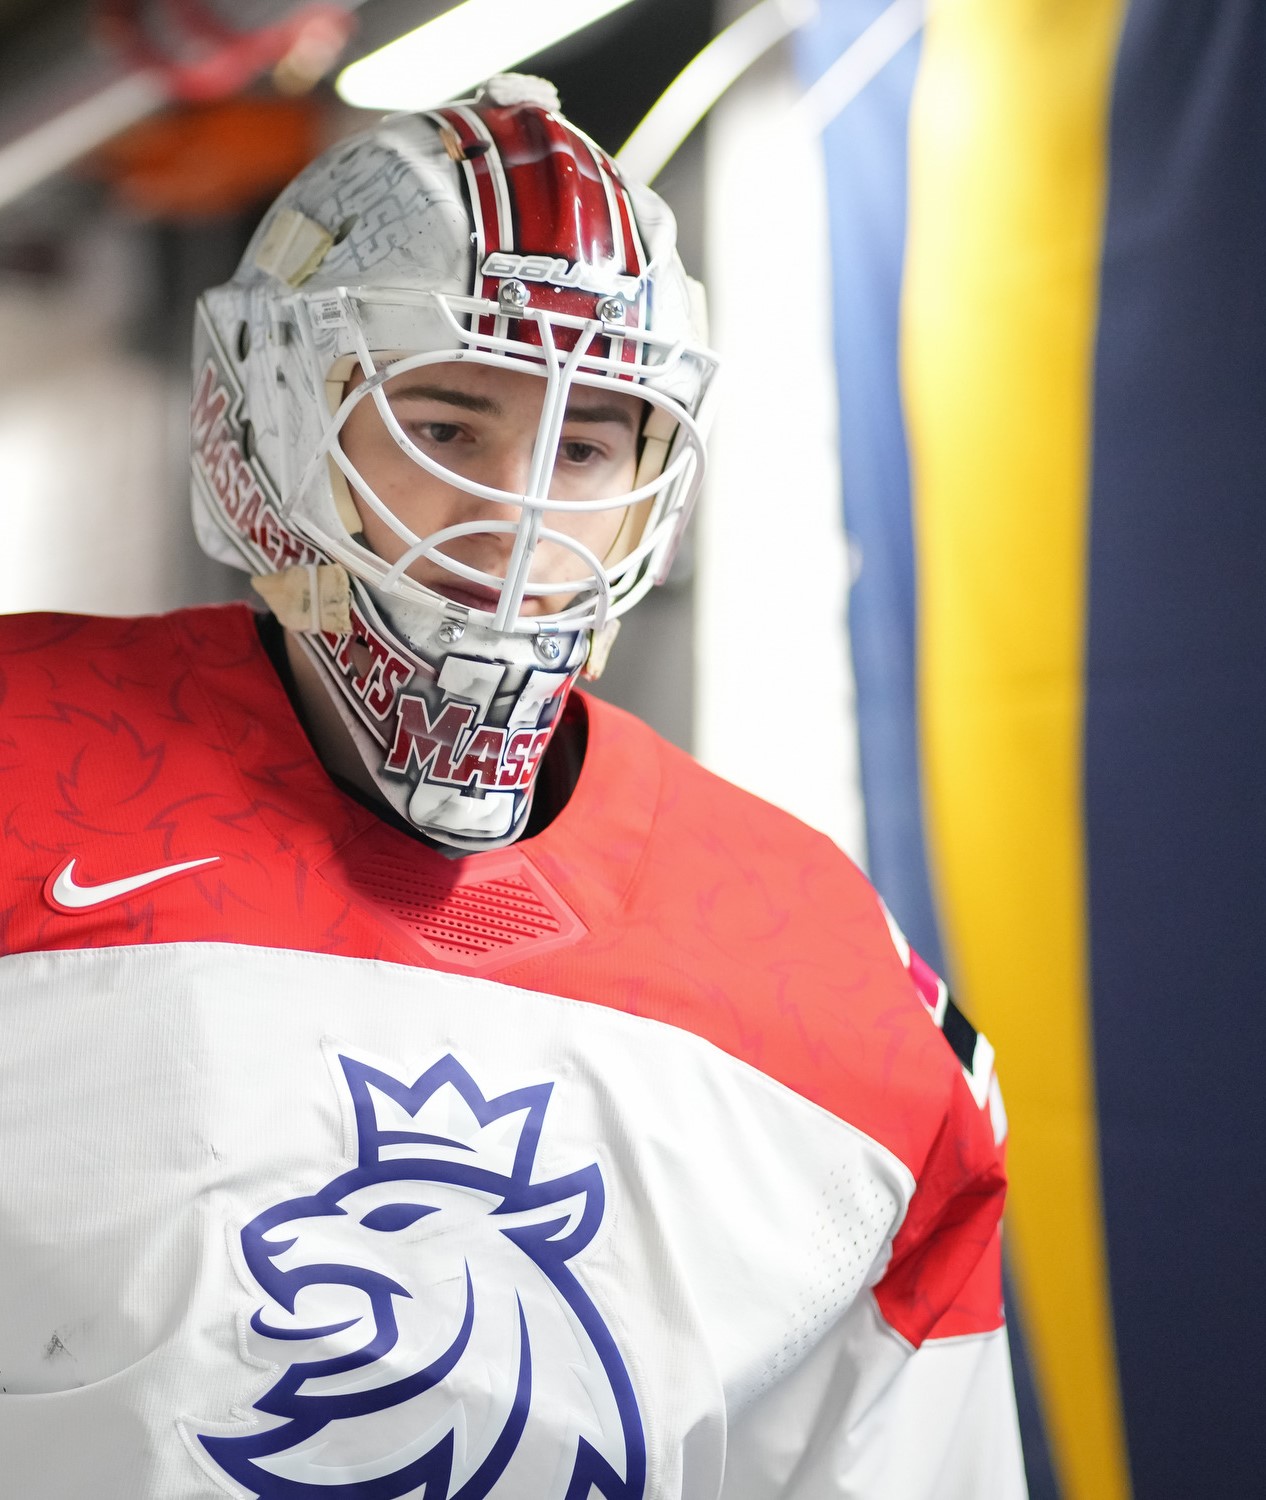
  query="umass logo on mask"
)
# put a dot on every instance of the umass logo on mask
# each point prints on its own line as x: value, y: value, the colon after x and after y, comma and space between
x: 432, y: 1337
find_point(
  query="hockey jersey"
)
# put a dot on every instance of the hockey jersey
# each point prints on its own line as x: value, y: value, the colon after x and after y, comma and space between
x: 641, y: 1160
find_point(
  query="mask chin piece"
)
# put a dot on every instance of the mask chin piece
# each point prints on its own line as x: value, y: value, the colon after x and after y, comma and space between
x: 450, y: 717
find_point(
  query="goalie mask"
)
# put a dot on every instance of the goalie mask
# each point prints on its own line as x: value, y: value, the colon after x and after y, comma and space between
x: 449, y: 413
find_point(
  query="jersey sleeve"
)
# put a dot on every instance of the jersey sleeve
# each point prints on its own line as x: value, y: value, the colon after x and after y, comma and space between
x: 945, y: 1425
x: 911, y: 1398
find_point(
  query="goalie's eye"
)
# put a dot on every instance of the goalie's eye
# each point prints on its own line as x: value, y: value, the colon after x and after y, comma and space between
x: 395, y: 1216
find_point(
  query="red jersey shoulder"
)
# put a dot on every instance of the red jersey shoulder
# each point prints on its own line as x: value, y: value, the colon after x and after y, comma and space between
x: 128, y: 816
x: 86, y: 706
x: 103, y: 664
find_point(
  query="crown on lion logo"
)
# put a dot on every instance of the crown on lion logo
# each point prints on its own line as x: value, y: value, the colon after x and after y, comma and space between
x: 443, y: 1115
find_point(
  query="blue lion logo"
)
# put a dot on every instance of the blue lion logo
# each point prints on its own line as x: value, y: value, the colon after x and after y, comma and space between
x: 432, y: 1338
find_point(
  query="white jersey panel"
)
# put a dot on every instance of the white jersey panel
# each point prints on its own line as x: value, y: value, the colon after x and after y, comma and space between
x: 865, y: 1417
x: 291, y: 1220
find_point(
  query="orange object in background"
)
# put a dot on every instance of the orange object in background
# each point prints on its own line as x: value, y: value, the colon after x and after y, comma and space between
x: 206, y: 161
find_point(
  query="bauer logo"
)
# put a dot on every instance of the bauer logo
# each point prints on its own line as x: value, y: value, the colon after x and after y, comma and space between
x: 423, y: 1317
x: 579, y: 274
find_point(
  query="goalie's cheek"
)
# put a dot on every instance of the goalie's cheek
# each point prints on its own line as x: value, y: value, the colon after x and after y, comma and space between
x: 586, y: 480
x: 554, y: 562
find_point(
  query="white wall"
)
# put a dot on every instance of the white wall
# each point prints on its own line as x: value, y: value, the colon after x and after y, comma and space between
x: 774, y: 698
x: 94, y: 518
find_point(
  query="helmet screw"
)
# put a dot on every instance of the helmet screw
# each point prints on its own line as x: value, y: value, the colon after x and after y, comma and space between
x: 514, y: 294
x: 451, y: 631
x: 548, y: 648
x: 611, y: 310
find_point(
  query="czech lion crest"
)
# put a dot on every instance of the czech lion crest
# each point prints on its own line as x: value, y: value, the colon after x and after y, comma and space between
x: 427, y: 1331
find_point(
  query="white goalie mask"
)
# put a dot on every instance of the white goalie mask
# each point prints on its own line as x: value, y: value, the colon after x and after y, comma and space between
x: 449, y: 413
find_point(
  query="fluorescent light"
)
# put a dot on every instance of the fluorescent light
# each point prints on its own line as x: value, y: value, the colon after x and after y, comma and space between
x: 461, y: 48
x: 29, y: 159
x: 703, y: 80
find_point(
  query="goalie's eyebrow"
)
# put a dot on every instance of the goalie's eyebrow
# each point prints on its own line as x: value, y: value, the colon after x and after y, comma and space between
x: 578, y: 409
x: 466, y: 400
x: 605, y: 411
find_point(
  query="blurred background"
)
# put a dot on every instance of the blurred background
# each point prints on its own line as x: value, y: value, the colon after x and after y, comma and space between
x: 977, y: 586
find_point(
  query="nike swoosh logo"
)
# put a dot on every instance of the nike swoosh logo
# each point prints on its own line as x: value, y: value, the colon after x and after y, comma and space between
x: 64, y: 894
